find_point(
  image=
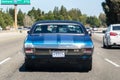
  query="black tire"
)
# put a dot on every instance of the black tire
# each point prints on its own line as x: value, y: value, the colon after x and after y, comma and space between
x: 87, y: 66
x: 108, y: 46
x: 29, y: 64
x: 104, y: 46
x: 90, y: 34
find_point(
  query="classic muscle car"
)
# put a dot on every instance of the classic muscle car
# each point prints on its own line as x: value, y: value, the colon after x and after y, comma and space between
x: 58, y: 41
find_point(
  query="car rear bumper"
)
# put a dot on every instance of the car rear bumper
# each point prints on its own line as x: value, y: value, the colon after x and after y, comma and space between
x: 115, y: 41
x: 66, y: 59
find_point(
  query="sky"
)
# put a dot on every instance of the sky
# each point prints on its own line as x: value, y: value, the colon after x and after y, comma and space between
x: 89, y: 7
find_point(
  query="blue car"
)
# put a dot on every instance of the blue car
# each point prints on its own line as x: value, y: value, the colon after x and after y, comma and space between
x: 58, y: 41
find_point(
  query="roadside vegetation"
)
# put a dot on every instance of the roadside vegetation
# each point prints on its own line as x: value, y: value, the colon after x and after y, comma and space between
x: 27, y: 19
x: 112, y: 11
x: 110, y: 7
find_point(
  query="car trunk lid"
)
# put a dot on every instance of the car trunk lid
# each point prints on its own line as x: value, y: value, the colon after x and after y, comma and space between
x: 59, y: 41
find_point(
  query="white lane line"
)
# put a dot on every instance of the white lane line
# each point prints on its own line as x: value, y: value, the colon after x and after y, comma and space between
x: 5, y: 60
x: 113, y: 63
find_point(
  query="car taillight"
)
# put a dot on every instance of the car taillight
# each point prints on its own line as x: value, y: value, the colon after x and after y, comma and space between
x: 88, y: 50
x: 29, y: 50
x: 113, y: 34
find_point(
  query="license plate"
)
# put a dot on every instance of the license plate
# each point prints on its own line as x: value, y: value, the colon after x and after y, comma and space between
x: 58, y: 54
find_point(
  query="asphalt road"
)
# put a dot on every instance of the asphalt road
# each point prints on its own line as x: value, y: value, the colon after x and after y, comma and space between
x: 106, y: 63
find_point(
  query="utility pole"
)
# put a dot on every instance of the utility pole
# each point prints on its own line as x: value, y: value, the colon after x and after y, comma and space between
x: 15, y: 3
x: 15, y: 8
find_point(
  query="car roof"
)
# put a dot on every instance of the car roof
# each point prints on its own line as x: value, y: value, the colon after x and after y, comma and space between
x: 115, y: 24
x: 58, y: 21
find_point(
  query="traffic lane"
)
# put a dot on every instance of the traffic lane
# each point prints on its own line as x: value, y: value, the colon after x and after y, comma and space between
x: 11, y: 46
x: 102, y: 70
x: 111, y: 55
x: 6, y: 37
x: 11, y: 65
x: 13, y: 69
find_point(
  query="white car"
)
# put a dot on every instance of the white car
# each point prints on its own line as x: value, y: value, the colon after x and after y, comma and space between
x: 112, y: 36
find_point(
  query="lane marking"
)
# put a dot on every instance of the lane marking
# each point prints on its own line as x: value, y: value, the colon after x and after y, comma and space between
x: 113, y: 63
x: 5, y: 60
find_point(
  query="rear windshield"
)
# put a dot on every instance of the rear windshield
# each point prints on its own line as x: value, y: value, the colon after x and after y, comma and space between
x: 116, y: 27
x: 57, y: 29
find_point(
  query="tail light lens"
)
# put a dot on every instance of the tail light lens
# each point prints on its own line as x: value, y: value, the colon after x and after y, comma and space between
x: 113, y: 34
x: 88, y: 50
x: 29, y: 50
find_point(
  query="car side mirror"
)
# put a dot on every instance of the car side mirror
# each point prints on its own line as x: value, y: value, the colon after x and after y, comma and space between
x: 104, y: 31
x: 28, y: 32
x: 90, y: 34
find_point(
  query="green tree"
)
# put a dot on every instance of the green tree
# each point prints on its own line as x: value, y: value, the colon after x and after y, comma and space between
x: 102, y: 18
x: 8, y: 20
x: 75, y: 14
x: 93, y: 21
x: 112, y: 11
x: 56, y: 12
x: 32, y: 13
x: 2, y: 21
x: 50, y: 15
x: 11, y: 12
x: 63, y: 12
x: 83, y: 19
x: 20, y: 17
x: 39, y: 13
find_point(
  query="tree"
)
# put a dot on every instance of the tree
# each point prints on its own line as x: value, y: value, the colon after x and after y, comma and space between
x: 11, y: 12
x: 20, y: 17
x: 39, y: 13
x: 56, y: 12
x: 93, y: 21
x: 112, y: 11
x: 2, y: 24
x: 102, y: 18
x: 32, y: 13
x: 75, y: 14
x: 83, y: 18
x: 63, y: 13
x: 5, y: 20
x: 28, y: 21
x: 8, y: 20
x: 50, y: 15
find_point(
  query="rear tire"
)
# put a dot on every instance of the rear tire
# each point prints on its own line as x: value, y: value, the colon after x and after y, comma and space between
x: 86, y: 65
x: 104, y: 46
x: 108, y: 46
x: 29, y: 64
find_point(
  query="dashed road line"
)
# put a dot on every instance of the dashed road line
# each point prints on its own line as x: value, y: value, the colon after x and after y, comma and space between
x: 5, y: 60
x: 113, y: 63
